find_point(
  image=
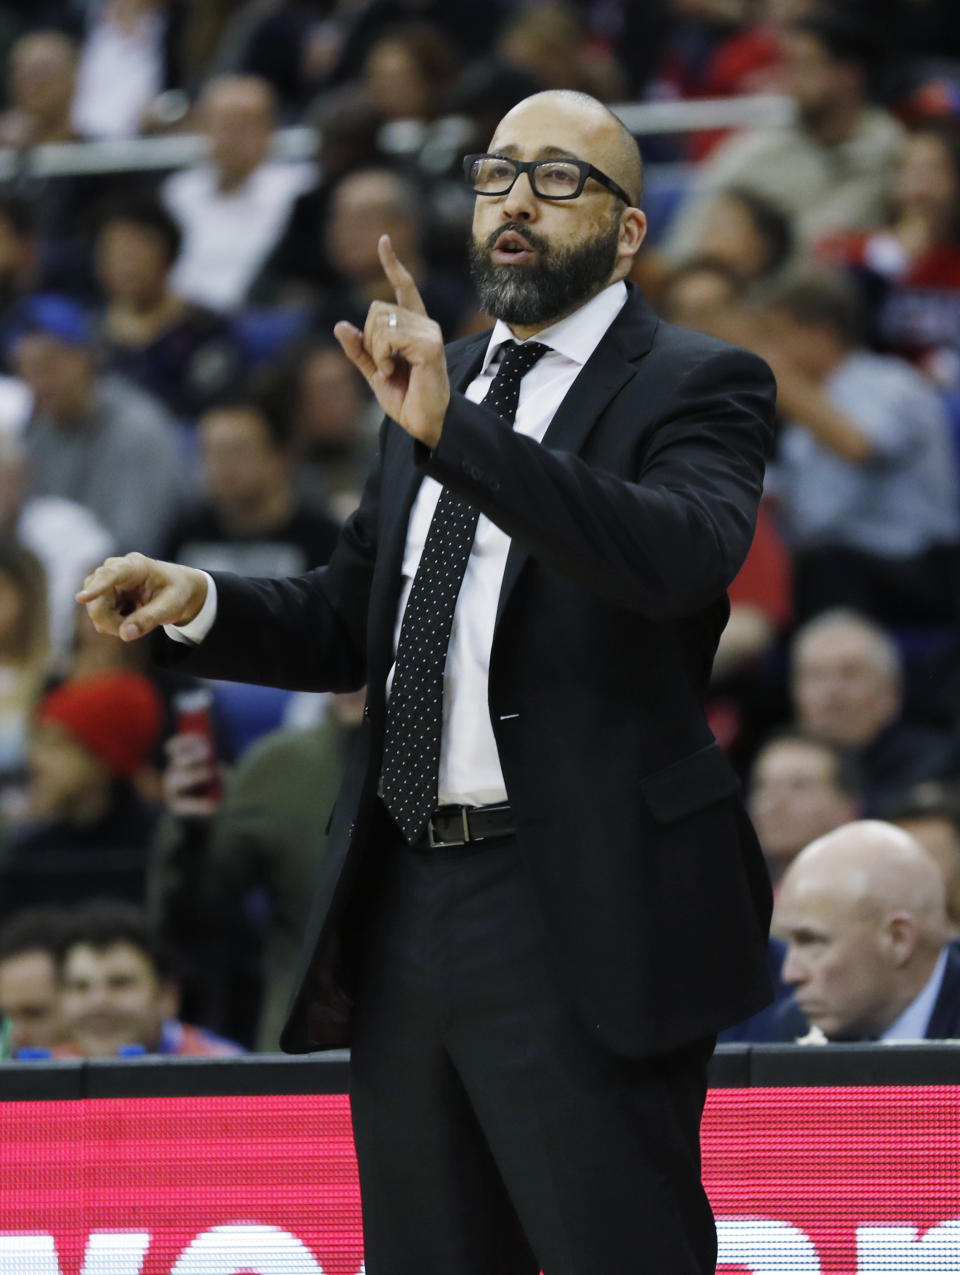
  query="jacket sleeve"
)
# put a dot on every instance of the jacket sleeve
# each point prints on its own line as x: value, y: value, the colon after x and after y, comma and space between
x: 308, y: 633
x: 665, y: 543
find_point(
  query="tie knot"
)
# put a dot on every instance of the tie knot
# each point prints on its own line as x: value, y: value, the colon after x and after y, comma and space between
x: 517, y: 359
x: 515, y: 362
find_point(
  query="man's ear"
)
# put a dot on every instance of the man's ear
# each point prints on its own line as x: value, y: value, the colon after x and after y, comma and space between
x: 633, y: 230
x: 900, y: 937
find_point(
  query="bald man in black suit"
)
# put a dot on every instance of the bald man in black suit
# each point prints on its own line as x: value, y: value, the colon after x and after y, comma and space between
x: 541, y: 896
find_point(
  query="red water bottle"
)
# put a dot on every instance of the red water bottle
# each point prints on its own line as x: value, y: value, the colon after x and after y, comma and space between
x: 193, y: 710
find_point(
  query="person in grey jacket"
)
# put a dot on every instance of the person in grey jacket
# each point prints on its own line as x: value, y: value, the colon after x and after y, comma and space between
x: 94, y: 439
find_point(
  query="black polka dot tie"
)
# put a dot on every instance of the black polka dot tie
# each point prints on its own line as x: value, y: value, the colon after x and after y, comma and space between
x: 411, y: 750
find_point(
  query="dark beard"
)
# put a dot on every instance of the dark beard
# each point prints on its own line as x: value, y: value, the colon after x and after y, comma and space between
x: 560, y: 280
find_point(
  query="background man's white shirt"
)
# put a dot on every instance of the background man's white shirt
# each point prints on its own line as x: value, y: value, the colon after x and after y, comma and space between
x: 228, y: 236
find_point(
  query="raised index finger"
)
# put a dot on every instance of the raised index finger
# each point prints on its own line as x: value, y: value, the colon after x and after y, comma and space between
x: 401, y: 280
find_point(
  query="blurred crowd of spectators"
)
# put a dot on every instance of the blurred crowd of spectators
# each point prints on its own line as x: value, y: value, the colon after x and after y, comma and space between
x: 169, y: 383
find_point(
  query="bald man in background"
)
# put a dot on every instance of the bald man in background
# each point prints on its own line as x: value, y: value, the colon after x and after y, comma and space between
x: 847, y: 690
x: 234, y: 205
x: 541, y: 896
x: 863, y: 913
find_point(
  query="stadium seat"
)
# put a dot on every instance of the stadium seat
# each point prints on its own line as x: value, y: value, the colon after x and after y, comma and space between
x: 247, y: 712
x: 951, y: 400
x: 665, y: 188
x: 263, y: 333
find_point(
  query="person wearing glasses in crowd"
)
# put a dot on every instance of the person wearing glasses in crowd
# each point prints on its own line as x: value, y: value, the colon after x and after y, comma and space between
x: 540, y: 897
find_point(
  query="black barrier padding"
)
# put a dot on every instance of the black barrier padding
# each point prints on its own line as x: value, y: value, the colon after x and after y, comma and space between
x: 935, y: 1063
x: 42, y: 1081
x: 732, y: 1067
x: 207, y: 1077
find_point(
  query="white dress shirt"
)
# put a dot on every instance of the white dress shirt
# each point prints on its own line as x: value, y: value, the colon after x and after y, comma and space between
x: 227, y: 236
x: 118, y: 74
x: 470, y: 772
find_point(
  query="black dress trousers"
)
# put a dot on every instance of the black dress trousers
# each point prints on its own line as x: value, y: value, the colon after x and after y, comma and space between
x: 494, y: 1134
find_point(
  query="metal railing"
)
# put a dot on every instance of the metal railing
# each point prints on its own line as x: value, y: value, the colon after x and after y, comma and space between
x: 434, y: 141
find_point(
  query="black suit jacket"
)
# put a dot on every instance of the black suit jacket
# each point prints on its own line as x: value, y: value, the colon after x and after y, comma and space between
x: 627, y: 525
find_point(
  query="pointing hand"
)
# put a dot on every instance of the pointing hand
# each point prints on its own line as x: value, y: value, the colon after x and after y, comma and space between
x: 132, y: 595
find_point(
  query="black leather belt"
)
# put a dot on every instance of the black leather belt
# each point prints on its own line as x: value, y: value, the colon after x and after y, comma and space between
x: 460, y: 825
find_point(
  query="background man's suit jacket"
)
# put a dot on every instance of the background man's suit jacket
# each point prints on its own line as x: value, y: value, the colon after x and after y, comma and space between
x: 627, y: 525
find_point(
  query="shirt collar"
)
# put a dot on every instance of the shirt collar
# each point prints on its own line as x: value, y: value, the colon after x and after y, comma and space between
x: 576, y: 336
x: 915, y: 1019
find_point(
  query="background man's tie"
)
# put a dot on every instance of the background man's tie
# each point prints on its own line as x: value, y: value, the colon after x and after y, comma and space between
x: 411, y: 753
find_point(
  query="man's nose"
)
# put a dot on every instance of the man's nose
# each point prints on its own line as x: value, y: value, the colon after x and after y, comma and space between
x: 520, y: 203
x: 793, y: 971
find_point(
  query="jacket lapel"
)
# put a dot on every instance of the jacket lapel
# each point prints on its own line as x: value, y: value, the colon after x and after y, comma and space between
x: 600, y: 379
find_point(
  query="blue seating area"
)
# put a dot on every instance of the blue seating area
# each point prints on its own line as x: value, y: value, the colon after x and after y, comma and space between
x: 665, y: 187
x: 247, y: 712
x: 264, y: 334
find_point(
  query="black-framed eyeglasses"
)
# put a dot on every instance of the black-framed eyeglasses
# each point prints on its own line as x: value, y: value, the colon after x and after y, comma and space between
x: 549, y: 178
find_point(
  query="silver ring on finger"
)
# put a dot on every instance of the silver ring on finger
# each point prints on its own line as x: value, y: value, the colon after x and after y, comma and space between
x: 392, y: 319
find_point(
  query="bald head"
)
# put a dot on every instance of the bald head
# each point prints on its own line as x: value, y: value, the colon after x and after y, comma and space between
x: 600, y: 127
x: 863, y: 911
x: 536, y: 258
x: 871, y: 869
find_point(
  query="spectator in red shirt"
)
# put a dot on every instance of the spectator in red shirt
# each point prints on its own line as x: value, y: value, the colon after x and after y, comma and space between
x: 909, y: 269
x: 88, y: 825
x: 761, y: 599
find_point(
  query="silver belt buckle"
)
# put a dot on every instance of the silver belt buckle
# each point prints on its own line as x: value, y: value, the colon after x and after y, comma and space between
x: 438, y: 845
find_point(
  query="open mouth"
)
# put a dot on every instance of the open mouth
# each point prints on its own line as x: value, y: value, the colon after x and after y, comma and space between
x: 512, y: 249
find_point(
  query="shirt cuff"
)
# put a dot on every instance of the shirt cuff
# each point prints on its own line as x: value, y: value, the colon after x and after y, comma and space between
x: 194, y: 631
